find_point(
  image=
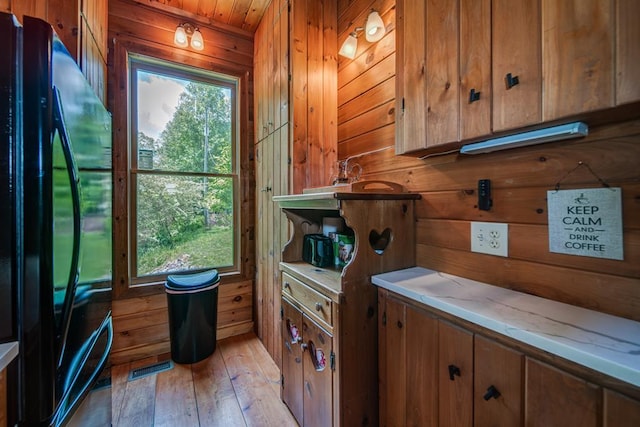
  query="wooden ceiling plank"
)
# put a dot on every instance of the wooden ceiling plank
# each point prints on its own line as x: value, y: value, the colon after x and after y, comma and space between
x: 254, y: 14
x: 239, y: 12
x: 223, y: 11
x: 207, y: 7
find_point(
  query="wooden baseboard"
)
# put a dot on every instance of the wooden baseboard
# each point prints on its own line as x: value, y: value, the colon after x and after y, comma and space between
x: 155, y: 349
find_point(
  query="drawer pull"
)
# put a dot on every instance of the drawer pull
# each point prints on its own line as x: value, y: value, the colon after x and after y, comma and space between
x: 473, y: 96
x: 453, y: 371
x: 318, y: 306
x: 511, y: 80
x: 287, y: 285
x: 492, y: 392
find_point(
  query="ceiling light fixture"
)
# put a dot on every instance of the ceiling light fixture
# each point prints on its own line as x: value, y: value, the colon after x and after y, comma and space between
x: 374, y: 31
x: 555, y: 133
x: 182, y: 34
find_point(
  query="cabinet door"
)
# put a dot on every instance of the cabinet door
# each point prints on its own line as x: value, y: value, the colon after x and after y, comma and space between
x: 555, y: 398
x: 318, y: 375
x: 443, y: 74
x: 421, y: 368
x: 627, y: 51
x: 455, y: 373
x: 497, y: 384
x: 411, y: 89
x: 475, y: 68
x: 577, y: 52
x: 292, y: 359
x: 516, y: 50
x: 393, y: 369
x: 620, y: 411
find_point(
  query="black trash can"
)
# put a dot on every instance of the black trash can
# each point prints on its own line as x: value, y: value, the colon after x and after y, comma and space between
x: 192, y: 300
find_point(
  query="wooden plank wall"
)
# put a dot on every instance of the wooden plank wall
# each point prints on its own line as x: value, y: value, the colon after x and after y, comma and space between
x: 83, y: 32
x: 296, y: 136
x: 271, y: 70
x: 141, y: 324
x: 520, y: 179
x: 93, y: 45
x: 313, y: 57
x: 140, y: 319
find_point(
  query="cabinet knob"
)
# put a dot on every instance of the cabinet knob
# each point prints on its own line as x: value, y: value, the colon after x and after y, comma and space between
x: 304, y: 346
x: 453, y: 371
x: 473, y: 96
x: 492, y: 392
x: 511, y: 81
x: 265, y: 189
x: 318, y: 306
x: 287, y: 285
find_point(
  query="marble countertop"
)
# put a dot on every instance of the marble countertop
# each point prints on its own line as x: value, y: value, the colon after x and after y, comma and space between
x: 602, y: 342
x: 8, y: 352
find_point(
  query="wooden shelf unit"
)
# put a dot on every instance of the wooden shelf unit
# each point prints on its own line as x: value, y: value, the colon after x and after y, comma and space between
x: 334, y: 309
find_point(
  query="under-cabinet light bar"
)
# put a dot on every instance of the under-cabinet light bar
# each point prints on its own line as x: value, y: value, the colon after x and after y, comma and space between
x: 555, y: 133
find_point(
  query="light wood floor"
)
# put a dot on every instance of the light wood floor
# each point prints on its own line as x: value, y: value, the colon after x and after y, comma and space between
x: 239, y: 385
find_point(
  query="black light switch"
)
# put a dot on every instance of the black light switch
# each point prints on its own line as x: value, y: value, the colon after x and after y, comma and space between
x: 484, y: 195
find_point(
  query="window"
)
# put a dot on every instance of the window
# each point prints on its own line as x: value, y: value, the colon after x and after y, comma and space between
x: 183, y: 170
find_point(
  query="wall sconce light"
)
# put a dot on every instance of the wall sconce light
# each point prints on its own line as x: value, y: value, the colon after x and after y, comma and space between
x: 374, y: 31
x: 374, y: 28
x: 182, y: 34
x: 350, y: 45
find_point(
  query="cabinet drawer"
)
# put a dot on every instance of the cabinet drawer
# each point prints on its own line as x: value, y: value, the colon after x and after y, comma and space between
x: 314, y: 302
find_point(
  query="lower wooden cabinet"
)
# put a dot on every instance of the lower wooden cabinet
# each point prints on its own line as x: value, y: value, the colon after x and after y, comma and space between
x: 497, y: 376
x: 620, y: 411
x: 435, y: 372
x: 557, y: 398
x: 455, y: 375
x: 307, y: 371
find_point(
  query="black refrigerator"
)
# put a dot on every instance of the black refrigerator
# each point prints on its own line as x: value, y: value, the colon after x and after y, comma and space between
x: 56, y: 239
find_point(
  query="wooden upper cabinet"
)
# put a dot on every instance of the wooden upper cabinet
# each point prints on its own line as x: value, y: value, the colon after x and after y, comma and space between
x: 271, y: 70
x: 578, y: 56
x: 627, y: 51
x: 411, y: 83
x: 497, y: 384
x: 516, y: 52
x: 475, y: 68
x: 442, y: 24
x: 555, y: 398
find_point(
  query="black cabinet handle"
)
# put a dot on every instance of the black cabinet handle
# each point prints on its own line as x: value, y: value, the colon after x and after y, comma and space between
x: 453, y: 371
x: 473, y: 96
x: 511, y: 81
x: 492, y: 392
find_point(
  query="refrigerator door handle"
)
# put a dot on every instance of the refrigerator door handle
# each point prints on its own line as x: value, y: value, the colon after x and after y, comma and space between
x: 66, y: 409
x: 72, y: 170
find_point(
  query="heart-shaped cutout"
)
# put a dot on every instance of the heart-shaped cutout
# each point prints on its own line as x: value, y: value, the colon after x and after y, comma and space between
x: 380, y: 241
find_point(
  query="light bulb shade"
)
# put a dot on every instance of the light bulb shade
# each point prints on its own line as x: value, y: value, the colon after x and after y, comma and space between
x: 374, y: 30
x: 196, y: 40
x: 180, y: 37
x: 349, y: 47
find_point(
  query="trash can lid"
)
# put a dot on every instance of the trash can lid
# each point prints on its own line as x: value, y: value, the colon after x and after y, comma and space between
x: 191, y: 282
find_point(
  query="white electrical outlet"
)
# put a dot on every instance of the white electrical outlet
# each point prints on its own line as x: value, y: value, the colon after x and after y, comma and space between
x: 490, y: 238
